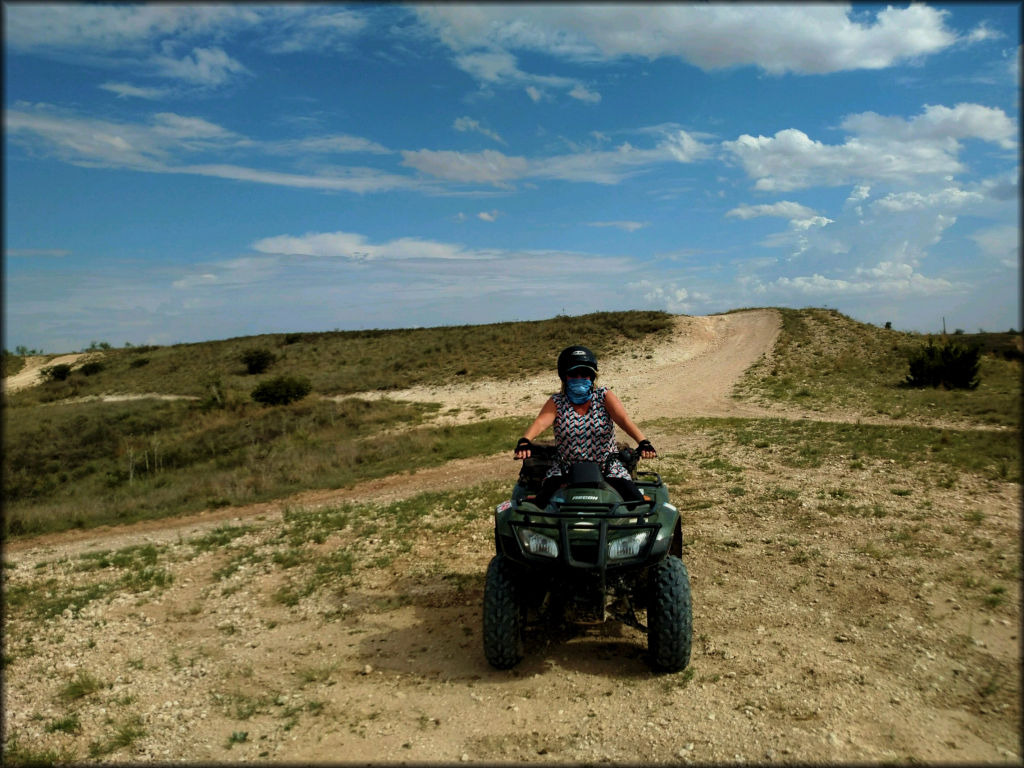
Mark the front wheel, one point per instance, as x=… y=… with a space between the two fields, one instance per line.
x=669 y=615
x=503 y=615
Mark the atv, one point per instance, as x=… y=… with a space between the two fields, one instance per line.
x=587 y=558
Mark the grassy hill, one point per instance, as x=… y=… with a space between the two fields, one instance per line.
x=70 y=463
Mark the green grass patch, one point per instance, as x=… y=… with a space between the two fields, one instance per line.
x=824 y=360
x=989 y=453
x=83 y=684
x=85 y=457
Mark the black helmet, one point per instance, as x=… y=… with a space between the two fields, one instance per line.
x=576 y=357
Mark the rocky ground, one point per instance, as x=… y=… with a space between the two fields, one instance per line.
x=853 y=610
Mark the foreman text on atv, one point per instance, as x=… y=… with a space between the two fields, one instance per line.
x=589 y=556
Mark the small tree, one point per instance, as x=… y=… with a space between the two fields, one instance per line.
x=92 y=367
x=952 y=366
x=281 y=391
x=56 y=372
x=257 y=360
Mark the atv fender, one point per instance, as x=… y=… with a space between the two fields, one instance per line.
x=676 y=547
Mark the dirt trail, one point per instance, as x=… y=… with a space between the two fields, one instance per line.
x=31 y=373
x=856 y=612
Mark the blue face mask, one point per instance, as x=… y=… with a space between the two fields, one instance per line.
x=579 y=390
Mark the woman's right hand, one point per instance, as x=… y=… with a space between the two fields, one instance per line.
x=523 y=448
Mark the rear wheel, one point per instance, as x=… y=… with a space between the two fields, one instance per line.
x=503 y=615
x=669 y=615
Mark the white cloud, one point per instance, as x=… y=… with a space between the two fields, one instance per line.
x=883 y=148
x=800 y=216
x=487 y=167
x=126 y=90
x=886 y=278
x=668 y=295
x=598 y=167
x=583 y=93
x=23 y=253
x=325 y=145
x=982 y=33
x=464 y=124
x=501 y=69
x=949 y=198
x=1001 y=242
x=784 y=209
x=810 y=39
x=163 y=144
x=488 y=215
x=326 y=30
x=205 y=66
x=628 y=226
x=356 y=247
x=939 y=123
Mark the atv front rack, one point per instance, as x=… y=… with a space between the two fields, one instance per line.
x=591 y=524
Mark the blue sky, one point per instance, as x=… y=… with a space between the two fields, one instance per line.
x=178 y=173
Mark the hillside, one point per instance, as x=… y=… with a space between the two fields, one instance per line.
x=853 y=548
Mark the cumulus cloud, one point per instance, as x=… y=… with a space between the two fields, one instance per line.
x=488 y=215
x=882 y=148
x=886 y=278
x=808 y=39
x=669 y=295
x=800 y=216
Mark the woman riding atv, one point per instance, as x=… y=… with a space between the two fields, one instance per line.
x=582 y=416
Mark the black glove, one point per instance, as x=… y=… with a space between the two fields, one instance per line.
x=645 y=445
x=524 y=445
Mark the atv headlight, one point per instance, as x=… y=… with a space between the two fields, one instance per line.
x=536 y=544
x=627 y=546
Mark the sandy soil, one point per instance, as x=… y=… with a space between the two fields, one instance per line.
x=31 y=373
x=818 y=638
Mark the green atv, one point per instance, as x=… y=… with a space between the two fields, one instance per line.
x=587 y=558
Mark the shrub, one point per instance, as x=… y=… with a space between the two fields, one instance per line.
x=257 y=360
x=282 y=390
x=952 y=366
x=92 y=368
x=56 y=372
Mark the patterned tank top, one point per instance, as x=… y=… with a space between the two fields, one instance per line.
x=585 y=437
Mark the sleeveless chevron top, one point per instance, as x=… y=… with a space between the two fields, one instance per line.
x=585 y=437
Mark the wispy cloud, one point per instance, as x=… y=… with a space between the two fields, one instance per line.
x=628 y=226
x=469 y=124
x=598 y=167
x=32 y=253
x=127 y=90
x=356 y=247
